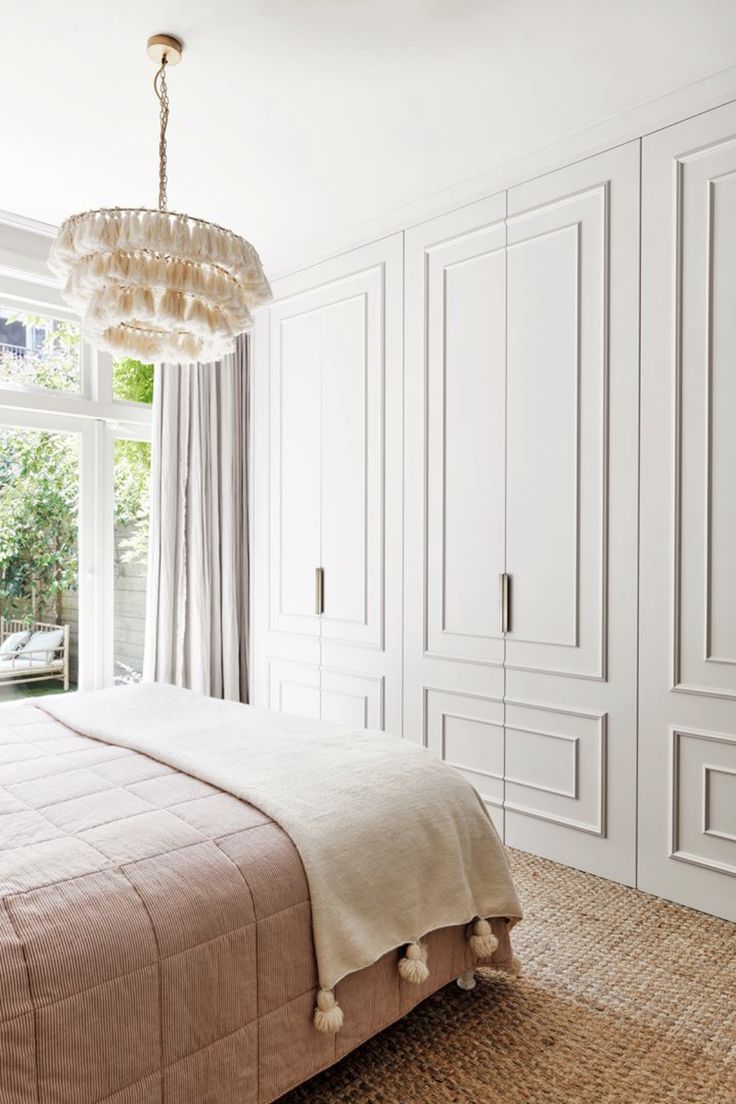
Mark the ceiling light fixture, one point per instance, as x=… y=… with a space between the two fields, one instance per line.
x=153 y=284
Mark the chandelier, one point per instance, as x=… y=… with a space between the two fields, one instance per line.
x=154 y=284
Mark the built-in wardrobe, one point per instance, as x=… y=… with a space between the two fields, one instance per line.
x=327 y=593
x=495 y=504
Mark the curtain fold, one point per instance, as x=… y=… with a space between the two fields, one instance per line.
x=197 y=594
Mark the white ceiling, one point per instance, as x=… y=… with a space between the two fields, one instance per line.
x=295 y=120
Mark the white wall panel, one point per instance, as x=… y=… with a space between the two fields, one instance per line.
x=687 y=724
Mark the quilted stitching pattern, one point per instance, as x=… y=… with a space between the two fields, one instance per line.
x=155 y=936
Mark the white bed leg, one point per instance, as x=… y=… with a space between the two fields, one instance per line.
x=467 y=980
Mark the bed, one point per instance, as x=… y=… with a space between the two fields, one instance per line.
x=156 y=938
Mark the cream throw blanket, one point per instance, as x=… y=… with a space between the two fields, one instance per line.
x=394 y=843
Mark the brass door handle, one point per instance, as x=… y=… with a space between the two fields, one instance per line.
x=504 y=581
x=319 y=590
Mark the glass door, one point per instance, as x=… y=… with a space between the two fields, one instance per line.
x=43 y=554
x=131 y=461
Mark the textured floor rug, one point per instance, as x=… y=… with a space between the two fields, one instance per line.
x=625 y=999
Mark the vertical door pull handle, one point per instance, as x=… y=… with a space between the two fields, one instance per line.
x=505 y=598
x=319 y=590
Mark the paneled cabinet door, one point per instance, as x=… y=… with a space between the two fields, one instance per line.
x=327 y=441
x=352 y=429
x=687 y=742
x=361 y=487
x=294 y=687
x=295 y=454
x=571 y=520
x=327 y=421
x=455 y=381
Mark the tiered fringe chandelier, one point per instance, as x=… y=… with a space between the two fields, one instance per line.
x=153 y=284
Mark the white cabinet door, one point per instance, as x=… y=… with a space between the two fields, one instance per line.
x=352 y=459
x=286 y=492
x=571 y=520
x=327 y=428
x=355 y=701
x=362 y=490
x=466 y=731
x=558 y=270
x=465 y=443
x=295 y=511
x=294 y=687
x=455 y=370
x=687 y=742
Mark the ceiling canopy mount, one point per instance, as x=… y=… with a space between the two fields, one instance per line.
x=166 y=47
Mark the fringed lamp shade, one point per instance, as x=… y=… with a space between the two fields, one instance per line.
x=153 y=284
x=156 y=285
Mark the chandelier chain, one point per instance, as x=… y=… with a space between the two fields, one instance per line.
x=161 y=90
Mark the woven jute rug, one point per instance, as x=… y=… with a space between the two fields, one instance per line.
x=625 y=999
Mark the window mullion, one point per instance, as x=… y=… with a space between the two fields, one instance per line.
x=95 y=557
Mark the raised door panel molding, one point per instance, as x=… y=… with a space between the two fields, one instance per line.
x=557 y=433
x=572 y=524
x=294 y=687
x=465 y=444
x=295 y=462
x=705 y=444
x=454 y=446
x=327 y=532
x=704 y=799
x=352 y=458
x=556 y=766
x=356 y=701
x=687 y=647
x=466 y=731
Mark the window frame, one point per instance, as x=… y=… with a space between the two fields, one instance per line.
x=112 y=431
x=96 y=416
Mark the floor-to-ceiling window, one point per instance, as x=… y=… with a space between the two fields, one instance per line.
x=39 y=556
x=74 y=473
x=132 y=470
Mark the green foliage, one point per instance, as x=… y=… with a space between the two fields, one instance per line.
x=39 y=503
x=56 y=367
x=132 y=499
x=132 y=380
x=39 y=482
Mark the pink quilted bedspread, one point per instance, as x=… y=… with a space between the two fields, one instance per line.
x=155 y=936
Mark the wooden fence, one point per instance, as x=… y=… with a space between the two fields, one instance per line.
x=130 y=620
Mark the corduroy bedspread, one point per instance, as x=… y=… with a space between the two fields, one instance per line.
x=155 y=935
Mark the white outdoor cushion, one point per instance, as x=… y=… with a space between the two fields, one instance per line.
x=42 y=645
x=14 y=642
x=23 y=663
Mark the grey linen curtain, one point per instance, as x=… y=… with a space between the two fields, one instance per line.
x=197 y=595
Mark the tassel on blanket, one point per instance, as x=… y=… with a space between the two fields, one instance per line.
x=483 y=942
x=413 y=966
x=328 y=1015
